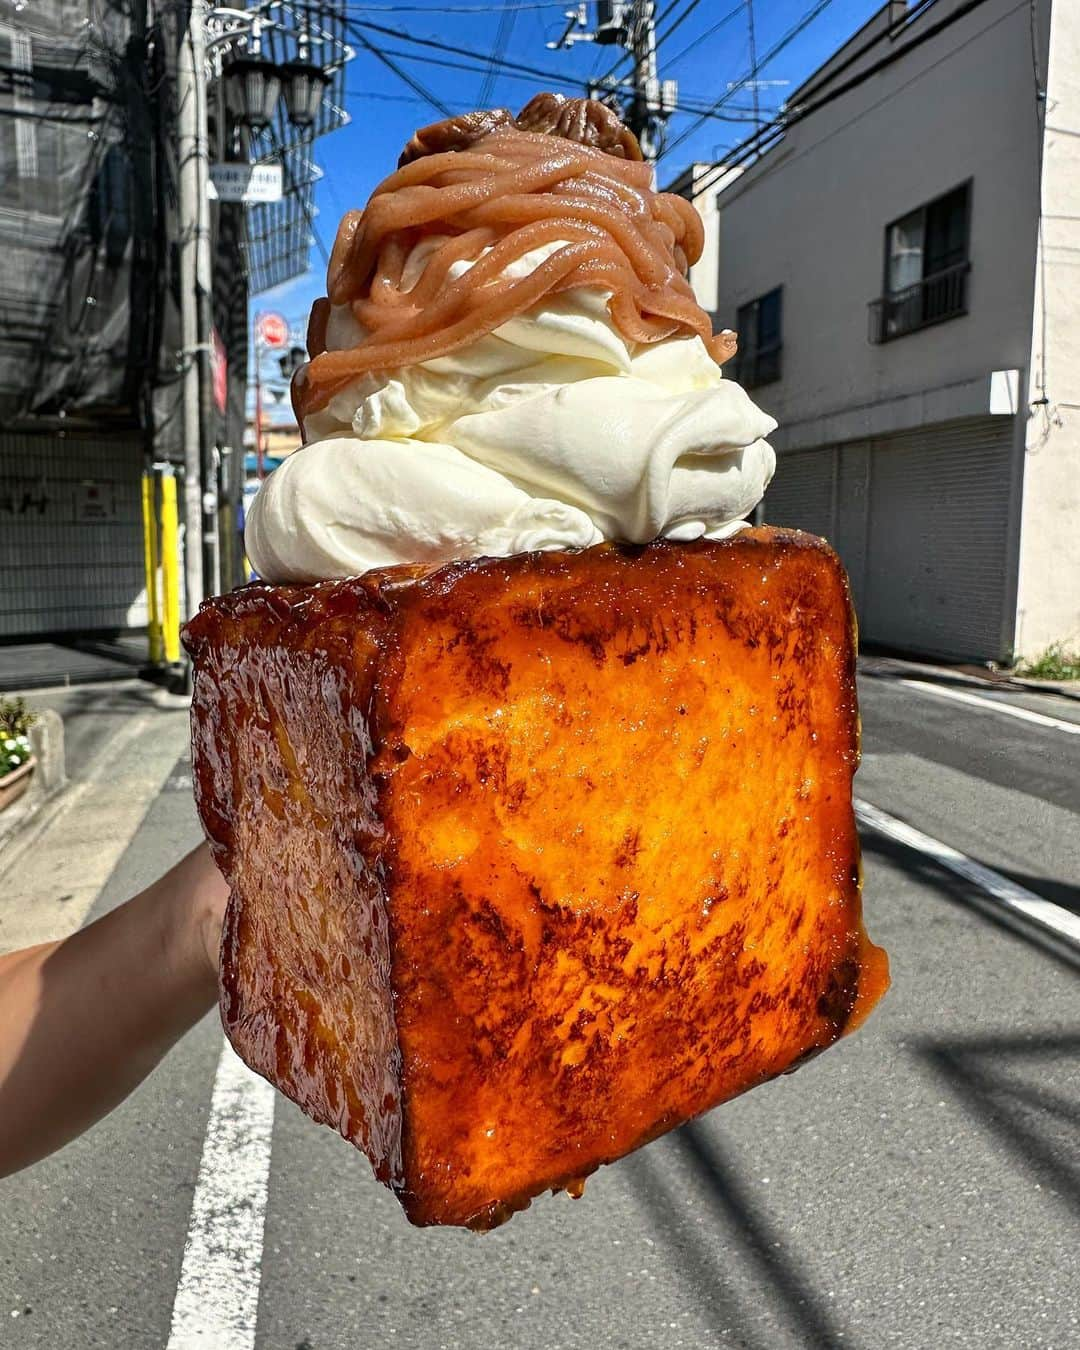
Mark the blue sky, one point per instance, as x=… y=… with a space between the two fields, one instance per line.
x=709 y=49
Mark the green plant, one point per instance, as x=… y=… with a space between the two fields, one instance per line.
x=16 y=719
x=1056 y=663
x=14 y=752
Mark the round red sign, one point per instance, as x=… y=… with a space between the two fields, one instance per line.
x=273 y=331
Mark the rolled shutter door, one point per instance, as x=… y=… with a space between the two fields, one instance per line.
x=66 y=564
x=938 y=538
x=801 y=493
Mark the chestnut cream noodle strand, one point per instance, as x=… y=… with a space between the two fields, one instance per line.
x=509 y=193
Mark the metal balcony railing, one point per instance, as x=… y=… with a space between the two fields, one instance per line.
x=944 y=295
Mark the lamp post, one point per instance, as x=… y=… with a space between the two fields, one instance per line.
x=252 y=85
x=200 y=524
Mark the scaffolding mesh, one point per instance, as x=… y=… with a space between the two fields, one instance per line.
x=76 y=149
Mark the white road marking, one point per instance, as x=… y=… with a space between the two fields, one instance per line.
x=1015 y=899
x=1008 y=709
x=217 y=1297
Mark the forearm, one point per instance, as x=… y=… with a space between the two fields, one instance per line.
x=84 y=1020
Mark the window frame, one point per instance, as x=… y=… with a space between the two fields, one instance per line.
x=967 y=186
x=748 y=359
x=937 y=297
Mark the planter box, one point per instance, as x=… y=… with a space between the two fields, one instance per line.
x=14 y=784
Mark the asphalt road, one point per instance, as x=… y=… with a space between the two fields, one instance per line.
x=917 y=1186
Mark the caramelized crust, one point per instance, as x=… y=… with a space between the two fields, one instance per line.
x=533 y=859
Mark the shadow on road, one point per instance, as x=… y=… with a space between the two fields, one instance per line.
x=762 y=1243
x=774 y=1271
x=992 y=1076
x=968 y=896
x=870 y=670
x=702 y=1268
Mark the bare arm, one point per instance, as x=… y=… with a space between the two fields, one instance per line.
x=84 y=1020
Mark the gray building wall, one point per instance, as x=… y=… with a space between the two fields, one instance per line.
x=811 y=216
x=939 y=418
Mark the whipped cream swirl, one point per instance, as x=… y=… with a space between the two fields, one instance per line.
x=551 y=432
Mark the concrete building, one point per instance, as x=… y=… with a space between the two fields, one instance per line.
x=902 y=265
x=92 y=345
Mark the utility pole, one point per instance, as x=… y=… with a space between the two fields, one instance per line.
x=200 y=512
x=645 y=119
x=643 y=99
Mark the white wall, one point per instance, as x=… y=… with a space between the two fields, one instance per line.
x=1048 y=600
x=705 y=273
x=811 y=216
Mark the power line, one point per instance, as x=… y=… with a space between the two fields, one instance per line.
x=481 y=63
x=773 y=131
x=424 y=93
x=753 y=60
x=435 y=45
x=509 y=72
x=773 y=51
x=661 y=37
x=498 y=55
x=354 y=6
x=506 y=73
x=708 y=33
x=393 y=98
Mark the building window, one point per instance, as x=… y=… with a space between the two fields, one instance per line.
x=757 y=360
x=926 y=267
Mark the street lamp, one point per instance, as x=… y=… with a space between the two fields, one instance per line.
x=223 y=42
x=252 y=86
x=304 y=85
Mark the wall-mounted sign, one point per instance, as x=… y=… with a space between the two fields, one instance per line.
x=28 y=497
x=94 y=501
x=219 y=370
x=245 y=182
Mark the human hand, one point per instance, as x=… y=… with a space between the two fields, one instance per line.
x=201 y=893
x=84 y=1019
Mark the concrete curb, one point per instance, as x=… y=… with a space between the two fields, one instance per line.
x=890 y=665
x=1065 y=688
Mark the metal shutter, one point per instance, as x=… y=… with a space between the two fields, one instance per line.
x=800 y=495
x=63 y=567
x=849 y=528
x=937 y=540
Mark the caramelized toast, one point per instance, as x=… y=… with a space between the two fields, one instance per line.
x=534 y=858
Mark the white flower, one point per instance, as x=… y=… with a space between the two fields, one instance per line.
x=15 y=760
x=9 y=744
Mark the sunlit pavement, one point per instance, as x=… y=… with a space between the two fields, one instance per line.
x=916 y=1186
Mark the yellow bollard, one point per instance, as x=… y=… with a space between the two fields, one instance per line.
x=150 y=560
x=170 y=568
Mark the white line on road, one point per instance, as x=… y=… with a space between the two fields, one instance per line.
x=1017 y=900
x=217 y=1297
x=1009 y=709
